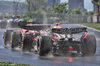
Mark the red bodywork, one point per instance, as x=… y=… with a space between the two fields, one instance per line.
x=23 y=31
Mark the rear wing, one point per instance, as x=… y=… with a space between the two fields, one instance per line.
x=37 y=26
x=69 y=30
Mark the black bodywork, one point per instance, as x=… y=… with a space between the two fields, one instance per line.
x=69 y=30
x=37 y=27
x=62 y=45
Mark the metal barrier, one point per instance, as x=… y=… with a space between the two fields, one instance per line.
x=51 y=18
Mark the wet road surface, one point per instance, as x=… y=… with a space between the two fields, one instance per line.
x=73 y=59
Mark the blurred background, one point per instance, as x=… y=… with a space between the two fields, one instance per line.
x=48 y=11
x=51 y=11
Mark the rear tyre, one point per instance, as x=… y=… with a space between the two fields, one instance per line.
x=27 y=43
x=45 y=45
x=22 y=23
x=88 y=46
x=7 y=37
x=16 y=39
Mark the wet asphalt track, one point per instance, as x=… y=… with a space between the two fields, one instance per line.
x=73 y=59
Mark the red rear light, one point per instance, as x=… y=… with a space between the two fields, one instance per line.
x=71 y=48
x=35 y=38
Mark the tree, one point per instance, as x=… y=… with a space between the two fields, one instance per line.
x=34 y=5
x=29 y=3
x=99 y=2
x=59 y=8
x=15 y=6
x=34 y=9
x=94 y=0
x=96 y=6
x=89 y=13
x=75 y=11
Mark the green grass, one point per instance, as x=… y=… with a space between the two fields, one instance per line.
x=11 y=64
x=93 y=25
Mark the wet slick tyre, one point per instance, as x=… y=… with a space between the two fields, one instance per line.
x=7 y=37
x=16 y=39
x=22 y=23
x=27 y=43
x=88 y=46
x=45 y=45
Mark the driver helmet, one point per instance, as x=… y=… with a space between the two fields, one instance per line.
x=57 y=26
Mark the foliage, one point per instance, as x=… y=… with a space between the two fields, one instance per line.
x=89 y=13
x=15 y=6
x=34 y=9
x=34 y=5
x=34 y=16
x=75 y=11
x=58 y=8
x=93 y=25
x=98 y=2
x=98 y=6
x=12 y=64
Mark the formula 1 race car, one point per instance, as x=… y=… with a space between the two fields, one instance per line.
x=24 y=38
x=13 y=36
x=30 y=36
x=61 y=40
